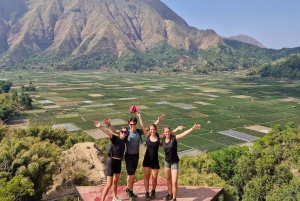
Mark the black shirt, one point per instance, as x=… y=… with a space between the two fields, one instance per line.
x=171 y=150
x=118 y=146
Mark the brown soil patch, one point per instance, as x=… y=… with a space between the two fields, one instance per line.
x=96 y=133
x=196 y=114
x=202 y=103
x=95 y=95
x=259 y=128
x=51 y=106
x=242 y=96
x=86 y=158
x=290 y=99
x=67 y=104
x=142 y=107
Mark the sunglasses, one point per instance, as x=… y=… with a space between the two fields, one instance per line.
x=124 y=132
x=132 y=124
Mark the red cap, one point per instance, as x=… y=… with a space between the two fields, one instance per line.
x=133 y=109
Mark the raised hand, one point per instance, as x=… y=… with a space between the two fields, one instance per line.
x=196 y=126
x=97 y=124
x=161 y=118
x=107 y=122
x=180 y=128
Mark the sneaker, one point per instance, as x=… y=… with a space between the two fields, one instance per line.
x=152 y=195
x=133 y=195
x=168 y=197
x=147 y=197
x=116 y=199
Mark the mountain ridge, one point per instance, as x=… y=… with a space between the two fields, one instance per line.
x=64 y=27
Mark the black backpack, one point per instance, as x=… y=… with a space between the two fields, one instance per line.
x=109 y=148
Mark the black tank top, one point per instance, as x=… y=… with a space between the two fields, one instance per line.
x=171 y=150
x=152 y=148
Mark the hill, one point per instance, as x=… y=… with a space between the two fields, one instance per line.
x=58 y=29
x=246 y=39
x=131 y=35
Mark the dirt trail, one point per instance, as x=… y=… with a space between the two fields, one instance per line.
x=86 y=158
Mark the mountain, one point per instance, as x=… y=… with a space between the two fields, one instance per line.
x=75 y=28
x=246 y=39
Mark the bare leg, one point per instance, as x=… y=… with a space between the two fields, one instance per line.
x=115 y=184
x=154 y=178
x=130 y=181
x=174 y=182
x=146 y=178
x=169 y=179
x=107 y=187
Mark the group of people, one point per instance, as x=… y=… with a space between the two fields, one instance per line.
x=128 y=141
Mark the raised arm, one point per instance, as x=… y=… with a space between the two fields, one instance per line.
x=196 y=126
x=159 y=119
x=98 y=125
x=107 y=122
x=146 y=133
x=178 y=128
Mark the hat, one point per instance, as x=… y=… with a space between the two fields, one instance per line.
x=133 y=109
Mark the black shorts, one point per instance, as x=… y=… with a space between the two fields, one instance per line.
x=113 y=167
x=132 y=161
x=153 y=164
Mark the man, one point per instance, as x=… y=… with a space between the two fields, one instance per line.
x=132 y=149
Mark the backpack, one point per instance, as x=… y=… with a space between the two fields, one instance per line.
x=109 y=148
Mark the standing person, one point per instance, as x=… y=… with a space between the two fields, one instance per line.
x=132 y=150
x=151 y=162
x=113 y=168
x=169 y=144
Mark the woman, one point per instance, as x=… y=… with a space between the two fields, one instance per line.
x=169 y=144
x=113 y=168
x=151 y=162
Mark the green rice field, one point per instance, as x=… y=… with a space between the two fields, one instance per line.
x=218 y=102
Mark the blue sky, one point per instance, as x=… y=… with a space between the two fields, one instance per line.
x=274 y=23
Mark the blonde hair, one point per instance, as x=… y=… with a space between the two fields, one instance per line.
x=163 y=133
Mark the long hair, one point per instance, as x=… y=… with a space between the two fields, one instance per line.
x=154 y=125
x=163 y=133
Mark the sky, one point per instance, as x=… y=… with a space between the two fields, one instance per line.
x=273 y=23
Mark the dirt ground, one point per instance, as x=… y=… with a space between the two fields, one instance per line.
x=86 y=158
x=259 y=128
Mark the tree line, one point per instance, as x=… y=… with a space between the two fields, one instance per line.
x=11 y=102
x=233 y=55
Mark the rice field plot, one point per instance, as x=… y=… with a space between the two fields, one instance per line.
x=222 y=139
x=249 y=132
x=200 y=144
x=218 y=102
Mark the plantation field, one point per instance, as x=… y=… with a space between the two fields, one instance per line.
x=73 y=100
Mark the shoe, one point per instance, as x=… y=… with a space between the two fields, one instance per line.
x=152 y=195
x=116 y=199
x=174 y=199
x=147 y=197
x=127 y=192
x=130 y=194
x=168 y=197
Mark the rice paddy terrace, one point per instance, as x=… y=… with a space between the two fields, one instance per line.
x=231 y=109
